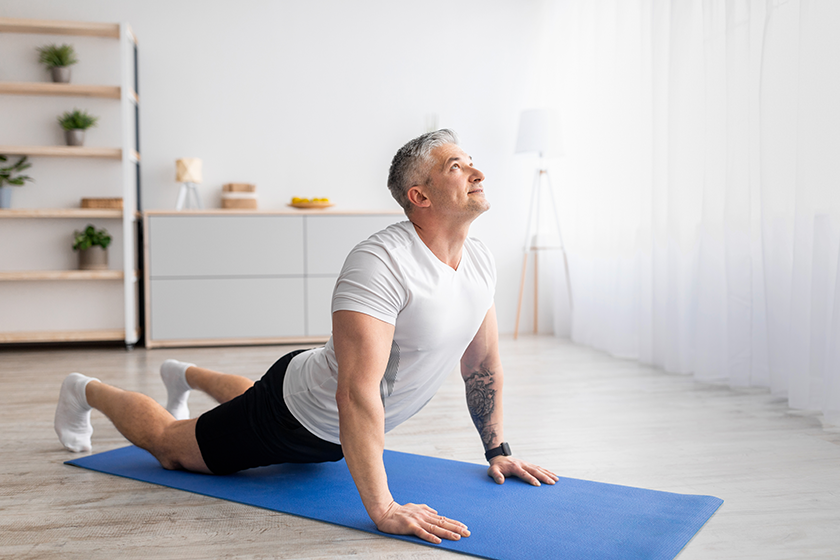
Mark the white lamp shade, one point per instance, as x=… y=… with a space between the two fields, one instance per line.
x=188 y=170
x=539 y=131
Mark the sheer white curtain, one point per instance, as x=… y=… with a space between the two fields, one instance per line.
x=701 y=186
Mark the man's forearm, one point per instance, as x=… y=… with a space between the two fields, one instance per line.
x=362 y=427
x=484 y=400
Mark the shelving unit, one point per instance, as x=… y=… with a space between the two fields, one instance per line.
x=54 y=284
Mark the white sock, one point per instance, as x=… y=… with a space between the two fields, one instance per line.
x=72 y=415
x=174 y=377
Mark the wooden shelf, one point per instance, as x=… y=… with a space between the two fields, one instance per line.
x=65 y=151
x=63 y=336
x=94 y=213
x=49 y=27
x=50 y=88
x=28 y=275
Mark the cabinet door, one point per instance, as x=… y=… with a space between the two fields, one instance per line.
x=196 y=246
x=226 y=308
x=330 y=238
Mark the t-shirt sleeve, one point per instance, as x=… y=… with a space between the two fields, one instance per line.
x=368 y=284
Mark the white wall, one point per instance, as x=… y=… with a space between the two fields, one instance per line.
x=314 y=98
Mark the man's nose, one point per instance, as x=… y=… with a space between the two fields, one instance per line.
x=477 y=175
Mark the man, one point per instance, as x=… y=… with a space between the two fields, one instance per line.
x=410 y=302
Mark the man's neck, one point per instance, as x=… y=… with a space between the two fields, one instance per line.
x=446 y=243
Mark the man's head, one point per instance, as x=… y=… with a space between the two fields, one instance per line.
x=412 y=164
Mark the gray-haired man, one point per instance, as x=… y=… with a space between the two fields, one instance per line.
x=411 y=302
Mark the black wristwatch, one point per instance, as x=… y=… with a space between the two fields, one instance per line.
x=503 y=449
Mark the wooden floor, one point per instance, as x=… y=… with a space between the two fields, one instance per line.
x=571 y=409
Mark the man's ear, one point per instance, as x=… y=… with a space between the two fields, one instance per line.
x=417 y=197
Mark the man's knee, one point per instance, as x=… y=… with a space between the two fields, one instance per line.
x=179 y=448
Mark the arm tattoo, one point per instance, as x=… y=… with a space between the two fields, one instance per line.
x=481 y=401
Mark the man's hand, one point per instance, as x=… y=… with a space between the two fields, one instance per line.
x=421 y=521
x=502 y=467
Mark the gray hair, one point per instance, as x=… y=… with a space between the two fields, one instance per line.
x=411 y=163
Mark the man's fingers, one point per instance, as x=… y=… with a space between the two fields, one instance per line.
x=547 y=476
x=441 y=528
x=541 y=474
x=454 y=526
x=528 y=477
x=532 y=474
x=442 y=532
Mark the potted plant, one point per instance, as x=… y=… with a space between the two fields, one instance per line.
x=75 y=123
x=58 y=60
x=8 y=179
x=92 y=245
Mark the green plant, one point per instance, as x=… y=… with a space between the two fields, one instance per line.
x=76 y=119
x=53 y=56
x=90 y=237
x=7 y=172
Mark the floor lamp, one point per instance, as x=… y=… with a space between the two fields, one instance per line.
x=538 y=133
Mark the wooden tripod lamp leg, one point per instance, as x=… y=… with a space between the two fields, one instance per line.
x=521 y=291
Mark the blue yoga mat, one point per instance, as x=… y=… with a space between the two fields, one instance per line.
x=574 y=519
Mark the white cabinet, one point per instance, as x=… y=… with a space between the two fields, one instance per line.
x=227 y=277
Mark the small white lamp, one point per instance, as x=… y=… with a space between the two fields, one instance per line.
x=188 y=173
x=539 y=132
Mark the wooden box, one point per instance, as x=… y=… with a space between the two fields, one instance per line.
x=111 y=203
x=239 y=187
x=239 y=203
x=239 y=196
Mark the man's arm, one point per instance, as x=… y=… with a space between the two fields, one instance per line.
x=481 y=369
x=362 y=348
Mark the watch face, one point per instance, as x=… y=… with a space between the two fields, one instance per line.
x=505 y=449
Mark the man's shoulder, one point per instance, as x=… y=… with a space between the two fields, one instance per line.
x=394 y=237
x=396 y=233
x=479 y=250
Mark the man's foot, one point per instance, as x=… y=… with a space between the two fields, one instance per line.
x=174 y=377
x=72 y=415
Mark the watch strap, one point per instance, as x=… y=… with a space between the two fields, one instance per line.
x=503 y=449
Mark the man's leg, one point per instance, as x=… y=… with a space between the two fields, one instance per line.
x=221 y=386
x=139 y=418
x=167 y=433
x=181 y=377
x=148 y=425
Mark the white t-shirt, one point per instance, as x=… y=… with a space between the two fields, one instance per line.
x=436 y=311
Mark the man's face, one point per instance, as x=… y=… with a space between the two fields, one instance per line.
x=456 y=185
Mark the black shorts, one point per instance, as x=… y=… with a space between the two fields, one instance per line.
x=257 y=429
